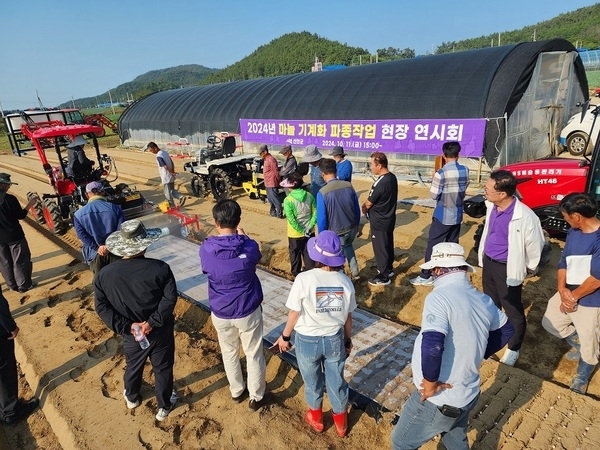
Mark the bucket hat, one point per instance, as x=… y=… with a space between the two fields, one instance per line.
x=337 y=151
x=79 y=140
x=326 y=248
x=5 y=179
x=94 y=186
x=447 y=254
x=311 y=154
x=133 y=238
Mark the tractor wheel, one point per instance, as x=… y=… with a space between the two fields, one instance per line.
x=100 y=134
x=576 y=144
x=53 y=217
x=220 y=184
x=198 y=186
x=37 y=210
x=195 y=185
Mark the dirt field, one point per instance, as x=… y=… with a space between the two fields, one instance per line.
x=78 y=364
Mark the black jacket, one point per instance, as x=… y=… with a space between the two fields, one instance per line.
x=10 y=214
x=7 y=323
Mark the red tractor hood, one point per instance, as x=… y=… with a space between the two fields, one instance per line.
x=546 y=181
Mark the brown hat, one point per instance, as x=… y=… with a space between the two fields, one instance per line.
x=285 y=149
x=263 y=148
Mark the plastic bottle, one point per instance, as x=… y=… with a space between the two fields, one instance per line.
x=140 y=337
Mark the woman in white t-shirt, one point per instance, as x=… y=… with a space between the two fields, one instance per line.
x=321 y=302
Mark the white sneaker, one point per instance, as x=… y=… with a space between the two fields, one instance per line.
x=163 y=413
x=130 y=405
x=420 y=281
x=510 y=357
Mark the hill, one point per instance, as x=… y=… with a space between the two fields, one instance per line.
x=581 y=27
x=291 y=53
x=153 y=81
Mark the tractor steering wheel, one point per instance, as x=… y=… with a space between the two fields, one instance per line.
x=213 y=140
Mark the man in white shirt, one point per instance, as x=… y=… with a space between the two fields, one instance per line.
x=166 y=170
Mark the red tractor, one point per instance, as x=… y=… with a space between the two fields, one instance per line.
x=543 y=183
x=55 y=210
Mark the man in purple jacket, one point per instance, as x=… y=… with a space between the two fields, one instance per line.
x=235 y=295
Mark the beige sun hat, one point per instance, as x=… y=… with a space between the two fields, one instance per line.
x=447 y=254
x=133 y=238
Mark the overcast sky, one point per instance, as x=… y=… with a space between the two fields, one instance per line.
x=75 y=48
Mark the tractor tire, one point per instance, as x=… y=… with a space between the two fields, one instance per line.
x=37 y=210
x=198 y=187
x=100 y=134
x=220 y=184
x=53 y=217
x=576 y=144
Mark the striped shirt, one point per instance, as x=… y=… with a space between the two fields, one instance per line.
x=448 y=188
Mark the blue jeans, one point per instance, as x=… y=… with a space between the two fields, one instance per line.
x=421 y=421
x=347 y=239
x=321 y=363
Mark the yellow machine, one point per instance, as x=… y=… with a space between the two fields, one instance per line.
x=255 y=188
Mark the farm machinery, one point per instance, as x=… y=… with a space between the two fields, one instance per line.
x=55 y=210
x=20 y=143
x=215 y=169
x=543 y=183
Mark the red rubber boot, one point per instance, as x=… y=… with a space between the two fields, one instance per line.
x=341 y=423
x=314 y=417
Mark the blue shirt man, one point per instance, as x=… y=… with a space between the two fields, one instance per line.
x=313 y=156
x=343 y=165
x=338 y=210
x=94 y=223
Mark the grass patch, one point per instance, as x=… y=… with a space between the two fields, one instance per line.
x=593 y=77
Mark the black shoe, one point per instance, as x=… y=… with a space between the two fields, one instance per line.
x=23 y=410
x=25 y=289
x=379 y=280
x=255 y=405
x=240 y=398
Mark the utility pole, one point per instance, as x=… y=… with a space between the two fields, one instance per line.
x=111 y=103
x=73 y=102
x=534 y=30
x=498 y=39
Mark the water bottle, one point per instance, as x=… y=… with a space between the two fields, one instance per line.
x=140 y=337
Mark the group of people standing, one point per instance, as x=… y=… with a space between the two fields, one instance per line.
x=135 y=296
x=331 y=203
